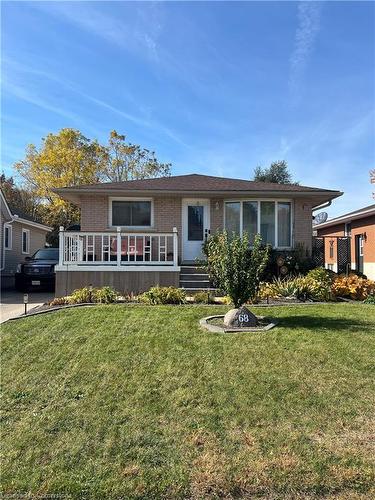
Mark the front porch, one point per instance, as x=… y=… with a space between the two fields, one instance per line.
x=117 y=251
x=129 y=262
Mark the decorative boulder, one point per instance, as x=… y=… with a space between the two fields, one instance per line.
x=240 y=318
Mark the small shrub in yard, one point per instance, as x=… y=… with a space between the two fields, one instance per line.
x=59 y=301
x=163 y=295
x=323 y=281
x=299 y=287
x=104 y=295
x=82 y=296
x=353 y=287
x=234 y=267
x=204 y=298
x=86 y=295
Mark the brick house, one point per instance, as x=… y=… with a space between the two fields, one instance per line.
x=19 y=237
x=359 y=228
x=139 y=233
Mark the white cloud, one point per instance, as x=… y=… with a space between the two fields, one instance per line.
x=307 y=30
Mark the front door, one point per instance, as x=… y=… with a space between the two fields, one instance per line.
x=195 y=227
x=359 y=252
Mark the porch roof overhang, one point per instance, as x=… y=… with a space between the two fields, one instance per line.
x=74 y=195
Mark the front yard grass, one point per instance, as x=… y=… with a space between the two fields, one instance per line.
x=138 y=402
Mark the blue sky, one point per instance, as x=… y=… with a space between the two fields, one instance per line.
x=214 y=88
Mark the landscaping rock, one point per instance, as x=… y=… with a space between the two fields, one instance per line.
x=240 y=318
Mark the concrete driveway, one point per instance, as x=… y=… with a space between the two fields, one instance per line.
x=12 y=303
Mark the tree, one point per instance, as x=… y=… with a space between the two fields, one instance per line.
x=67 y=158
x=126 y=161
x=23 y=202
x=235 y=268
x=277 y=172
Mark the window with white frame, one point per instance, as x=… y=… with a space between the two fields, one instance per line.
x=271 y=219
x=131 y=213
x=25 y=241
x=7 y=237
x=361 y=242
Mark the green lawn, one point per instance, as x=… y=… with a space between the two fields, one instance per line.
x=138 y=402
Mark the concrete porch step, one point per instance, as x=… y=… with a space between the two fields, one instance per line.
x=195 y=285
x=193 y=277
x=192 y=270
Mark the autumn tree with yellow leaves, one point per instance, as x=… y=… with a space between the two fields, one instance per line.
x=68 y=158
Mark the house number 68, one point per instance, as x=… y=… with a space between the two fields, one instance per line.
x=243 y=318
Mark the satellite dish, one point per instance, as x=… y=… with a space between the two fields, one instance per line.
x=320 y=218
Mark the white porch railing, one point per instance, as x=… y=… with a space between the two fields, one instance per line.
x=117 y=249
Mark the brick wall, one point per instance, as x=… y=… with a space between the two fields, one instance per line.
x=168 y=214
x=303 y=223
x=359 y=226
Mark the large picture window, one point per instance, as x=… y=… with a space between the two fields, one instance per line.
x=131 y=213
x=271 y=219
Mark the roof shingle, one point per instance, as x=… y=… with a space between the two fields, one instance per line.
x=193 y=182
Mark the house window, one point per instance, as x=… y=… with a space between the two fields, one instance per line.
x=250 y=219
x=233 y=217
x=131 y=213
x=7 y=237
x=271 y=219
x=25 y=241
x=283 y=224
x=361 y=241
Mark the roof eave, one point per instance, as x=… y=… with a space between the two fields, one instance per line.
x=74 y=195
x=344 y=219
x=32 y=223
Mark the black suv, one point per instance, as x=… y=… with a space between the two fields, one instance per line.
x=38 y=271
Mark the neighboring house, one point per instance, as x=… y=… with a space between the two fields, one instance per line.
x=138 y=233
x=19 y=238
x=358 y=228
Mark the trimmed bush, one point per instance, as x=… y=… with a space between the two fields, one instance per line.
x=163 y=295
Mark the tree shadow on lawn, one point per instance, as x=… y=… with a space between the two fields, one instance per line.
x=324 y=323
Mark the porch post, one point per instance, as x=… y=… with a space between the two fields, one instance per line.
x=61 y=245
x=118 y=246
x=175 y=247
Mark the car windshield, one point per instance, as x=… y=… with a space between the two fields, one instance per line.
x=47 y=254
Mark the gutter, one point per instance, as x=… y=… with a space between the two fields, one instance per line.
x=324 y=205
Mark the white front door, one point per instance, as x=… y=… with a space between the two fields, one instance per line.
x=195 y=227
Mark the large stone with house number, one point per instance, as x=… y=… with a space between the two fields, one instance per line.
x=240 y=318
